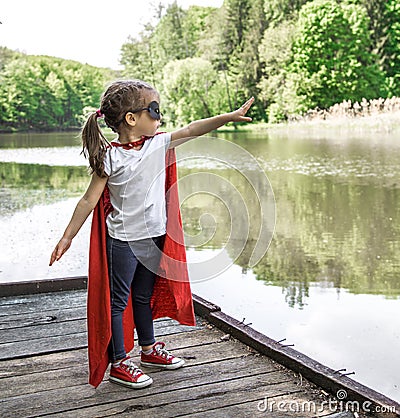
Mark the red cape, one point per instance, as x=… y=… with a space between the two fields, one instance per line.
x=172 y=296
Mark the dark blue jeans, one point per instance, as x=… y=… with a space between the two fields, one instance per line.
x=132 y=265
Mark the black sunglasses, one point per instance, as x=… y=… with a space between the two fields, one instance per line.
x=153 y=108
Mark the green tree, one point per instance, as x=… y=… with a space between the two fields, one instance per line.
x=276 y=55
x=137 y=57
x=175 y=36
x=384 y=16
x=169 y=35
x=277 y=11
x=331 y=55
x=6 y=55
x=242 y=30
x=192 y=90
x=39 y=92
x=236 y=25
x=249 y=66
x=391 y=57
x=195 y=25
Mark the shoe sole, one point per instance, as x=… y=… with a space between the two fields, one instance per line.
x=138 y=385
x=172 y=366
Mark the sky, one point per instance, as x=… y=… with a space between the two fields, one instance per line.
x=89 y=31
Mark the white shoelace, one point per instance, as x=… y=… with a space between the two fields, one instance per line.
x=132 y=368
x=162 y=351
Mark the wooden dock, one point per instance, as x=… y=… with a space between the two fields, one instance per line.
x=43 y=368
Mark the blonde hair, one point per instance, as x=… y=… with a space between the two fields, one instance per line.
x=119 y=98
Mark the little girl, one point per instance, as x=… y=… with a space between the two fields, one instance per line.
x=124 y=269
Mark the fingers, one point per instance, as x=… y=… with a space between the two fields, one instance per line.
x=244 y=109
x=59 y=251
x=53 y=257
x=246 y=106
x=245 y=119
x=239 y=115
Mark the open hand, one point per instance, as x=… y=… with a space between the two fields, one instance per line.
x=239 y=114
x=60 y=249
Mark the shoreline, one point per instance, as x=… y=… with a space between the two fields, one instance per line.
x=383 y=123
x=37 y=130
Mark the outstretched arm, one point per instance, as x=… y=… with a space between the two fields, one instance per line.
x=82 y=210
x=203 y=126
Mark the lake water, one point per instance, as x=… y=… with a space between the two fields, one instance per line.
x=329 y=279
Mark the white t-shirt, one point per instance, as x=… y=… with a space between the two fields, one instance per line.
x=137 y=189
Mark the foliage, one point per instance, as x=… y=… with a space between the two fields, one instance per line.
x=276 y=54
x=6 y=55
x=291 y=55
x=277 y=11
x=192 y=90
x=176 y=36
x=39 y=92
x=391 y=56
x=137 y=59
x=384 y=29
x=331 y=59
x=246 y=64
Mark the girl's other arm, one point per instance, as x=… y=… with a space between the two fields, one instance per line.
x=203 y=126
x=82 y=210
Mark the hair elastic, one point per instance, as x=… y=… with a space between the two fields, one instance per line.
x=99 y=114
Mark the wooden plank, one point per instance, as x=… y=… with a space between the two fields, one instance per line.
x=39 y=303
x=44 y=345
x=37 y=364
x=54 y=337
x=25 y=307
x=43 y=317
x=80 y=396
x=57 y=327
x=334 y=407
x=43 y=286
x=60 y=315
x=53 y=361
x=73 y=341
x=47 y=377
x=43 y=331
x=203 y=307
x=13 y=387
x=206 y=398
x=314 y=403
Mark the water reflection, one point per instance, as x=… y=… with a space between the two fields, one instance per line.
x=339 y=231
x=328 y=232
x=337 y=235
x=38 y=140
x=26 y=185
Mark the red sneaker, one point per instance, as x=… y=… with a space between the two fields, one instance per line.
x=128 y=374
x=161 y=358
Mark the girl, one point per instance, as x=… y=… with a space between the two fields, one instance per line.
x=129 y=252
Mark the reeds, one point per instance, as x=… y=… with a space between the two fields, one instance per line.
x=349 y=109
x=377 y=115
